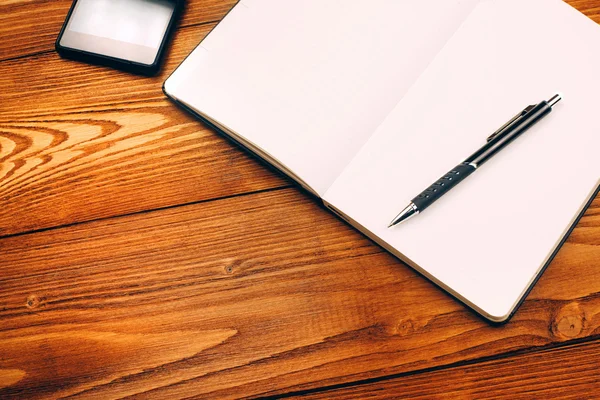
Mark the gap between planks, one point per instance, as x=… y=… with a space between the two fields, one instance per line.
x=215 y=199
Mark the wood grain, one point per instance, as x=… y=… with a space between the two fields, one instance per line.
x=569 y=372
x=182 y=284
x=280 y=294
x=121 y=148
x=32 y=26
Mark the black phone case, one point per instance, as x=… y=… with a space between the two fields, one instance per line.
x=119 y=63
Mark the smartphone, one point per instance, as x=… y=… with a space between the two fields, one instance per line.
x=131 y=35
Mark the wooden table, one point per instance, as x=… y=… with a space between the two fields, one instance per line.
x=143 y=254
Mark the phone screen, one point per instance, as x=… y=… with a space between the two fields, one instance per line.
x=141 y=22
x=127 y=29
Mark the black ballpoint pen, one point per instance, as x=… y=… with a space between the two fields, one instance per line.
x=496 y=142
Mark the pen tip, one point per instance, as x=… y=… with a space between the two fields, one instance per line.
x=405 y=214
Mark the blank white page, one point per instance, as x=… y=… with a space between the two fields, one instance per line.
x=488 y=238
x=309 y=81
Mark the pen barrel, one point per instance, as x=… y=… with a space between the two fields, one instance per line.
x=517 y=129
x=442 y=186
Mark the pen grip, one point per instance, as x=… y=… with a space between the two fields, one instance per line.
x=442 y=186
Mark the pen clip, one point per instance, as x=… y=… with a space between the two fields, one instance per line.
x=510 y=123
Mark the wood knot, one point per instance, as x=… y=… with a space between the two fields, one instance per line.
x=34 y=302
x=570 y=326
x=233 y=266
x=569 y=322
x=405 y=327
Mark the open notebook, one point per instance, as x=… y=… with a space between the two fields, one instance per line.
x=365 y=104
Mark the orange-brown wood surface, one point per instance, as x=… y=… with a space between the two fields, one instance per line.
x=566 y=373
x=143 y=254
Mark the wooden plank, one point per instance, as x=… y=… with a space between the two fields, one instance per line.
x=569 y=372
x=252 y=295
x=97 y=165
x=32 y=26
x=81 y=142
